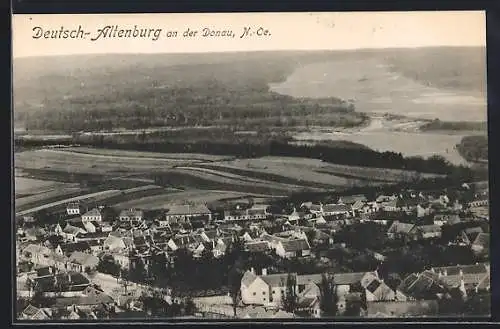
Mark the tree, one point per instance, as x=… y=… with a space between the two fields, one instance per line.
x=137 y=271
x=290 y=298
x=328 y=296
x=189 y=306
x=234 y=281
x=108 y=265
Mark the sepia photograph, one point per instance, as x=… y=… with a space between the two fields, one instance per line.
x=250 y=166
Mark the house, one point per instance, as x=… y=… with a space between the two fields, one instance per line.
x=410 y=204
x=95 y=236
x=122 y=258
x=92 y=215
x=335 y=209
x=428 y=231
x=186 y=213
x=481 y=201
x=470 y=276
x=352 y=199
x=188 y=241
x=131 y=215
x=37 y=254
x=69 y=248
x=73 y=208
x=255 y=212
x=469 y=235
x=420 y=308
x=80 y=262
x=308 y=300
x=257 y=246
x=34 y=313
x=254 y=290
x=389 y=205
x=418 y=286
x=481 y=244
x=117 y=243
x=377 y=291
x=67 y=283
x=399 y=230
x=385 y=198
x=70 y=232
x=448 y=219
x=293 y=248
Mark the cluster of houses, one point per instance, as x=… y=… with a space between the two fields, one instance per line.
x=418 y=291
x=77 y=244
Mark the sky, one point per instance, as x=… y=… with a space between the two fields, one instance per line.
x=288 y=31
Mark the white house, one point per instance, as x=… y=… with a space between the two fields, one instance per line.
x=92 y=215
x=73 y=208
x=184 y=213
x=131 y=215
x=293 y=248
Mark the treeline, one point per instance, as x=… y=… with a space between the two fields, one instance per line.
x=338 y=155
x=474 y=148
x=454 y=126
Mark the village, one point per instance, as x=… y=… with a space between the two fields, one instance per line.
x=407 y=254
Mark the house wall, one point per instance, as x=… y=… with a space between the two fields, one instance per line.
x=256 y=294
x=73 y=211
x=277 y=295
x=92 y=218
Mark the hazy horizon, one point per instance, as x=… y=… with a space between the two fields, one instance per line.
x=249 y=52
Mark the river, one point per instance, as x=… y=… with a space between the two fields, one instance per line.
x=376 y=90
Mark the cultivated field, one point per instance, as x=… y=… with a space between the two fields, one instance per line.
x=192 y=196
x=98 y=196
x=97 y=164
x=124 y=154
x=24 y=186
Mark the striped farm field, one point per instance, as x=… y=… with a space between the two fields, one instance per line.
x=145 y=155
x=192 y=196
x=73 y=162
x=98 y=196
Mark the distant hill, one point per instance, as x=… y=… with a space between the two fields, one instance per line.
x=94 y=92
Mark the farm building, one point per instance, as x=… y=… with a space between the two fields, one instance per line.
x=186 y=213
x=131 y=215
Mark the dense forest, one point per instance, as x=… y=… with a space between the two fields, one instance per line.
x=454 y=126
x=474 y=148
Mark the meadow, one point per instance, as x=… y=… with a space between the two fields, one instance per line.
x=103 y=163
x=184 y=197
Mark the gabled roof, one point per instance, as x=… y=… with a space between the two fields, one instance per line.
x=36 y=249
x=276 y=280
x=482 y=239
x=81 y=258
x=93 y=212
x=399 y=227
x=248 y=278
x=309 y=278
x=348 y=278
x=351 y=199
x=429 y=228
x=258 y=246
x=188 y=210
x=77 y=246
x=31 y=310
x=295 y=245
x=131 y=213
x=339 y=208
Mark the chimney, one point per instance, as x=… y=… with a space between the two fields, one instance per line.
x=461 y=273
x=252 y=270
x=264 y=271
x=445 y=273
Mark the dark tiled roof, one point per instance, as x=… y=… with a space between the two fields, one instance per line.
x=295 y=245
